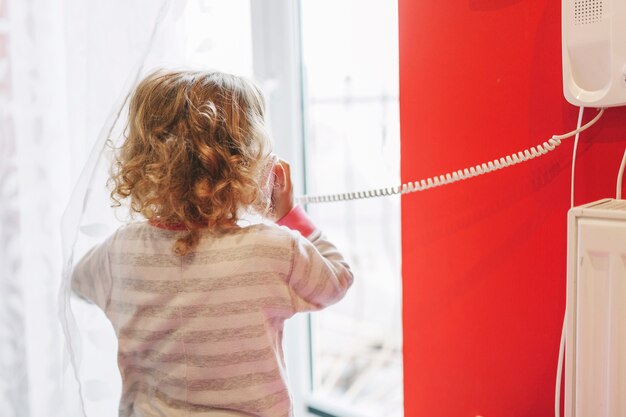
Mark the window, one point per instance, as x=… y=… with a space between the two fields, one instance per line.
x=350 y=79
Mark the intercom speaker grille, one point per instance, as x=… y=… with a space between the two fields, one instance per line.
x=588 y=11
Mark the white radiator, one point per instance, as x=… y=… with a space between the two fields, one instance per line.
x=595 y=361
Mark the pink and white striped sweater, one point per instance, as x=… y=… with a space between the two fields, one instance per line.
x=201 y=335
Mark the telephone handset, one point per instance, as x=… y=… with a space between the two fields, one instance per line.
x=278 y=188
x=269 y=176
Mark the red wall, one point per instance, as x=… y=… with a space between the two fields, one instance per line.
x=484 y=260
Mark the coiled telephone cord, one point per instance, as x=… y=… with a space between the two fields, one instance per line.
x=449 y=178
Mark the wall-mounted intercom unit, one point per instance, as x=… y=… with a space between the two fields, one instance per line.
x=594 y=52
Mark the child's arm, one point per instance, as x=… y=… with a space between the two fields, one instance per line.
x=319 y=275
x=91 y=277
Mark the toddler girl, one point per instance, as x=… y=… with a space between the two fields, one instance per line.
x=197 y=299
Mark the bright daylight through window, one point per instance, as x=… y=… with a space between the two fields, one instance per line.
x=350 y=75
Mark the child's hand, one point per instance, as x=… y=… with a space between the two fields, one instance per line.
x=282 y=193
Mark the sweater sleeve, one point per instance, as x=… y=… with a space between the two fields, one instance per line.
x=297 y=219
x=319 y=275
x=91 y=277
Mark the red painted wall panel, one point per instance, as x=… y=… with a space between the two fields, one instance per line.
x=484 y=259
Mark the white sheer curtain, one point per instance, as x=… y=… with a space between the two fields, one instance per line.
x=64 y=66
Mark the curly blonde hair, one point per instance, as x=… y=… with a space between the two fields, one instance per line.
x=195 y=153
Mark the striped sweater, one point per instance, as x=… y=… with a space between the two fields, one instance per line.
x=201 y=335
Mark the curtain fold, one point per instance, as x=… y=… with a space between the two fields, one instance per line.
x=63 y=66
x=32 y=192
x=65 y=69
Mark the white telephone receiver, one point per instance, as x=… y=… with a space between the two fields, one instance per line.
x=594 y=52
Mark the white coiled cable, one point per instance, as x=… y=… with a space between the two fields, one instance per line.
x=449 y=178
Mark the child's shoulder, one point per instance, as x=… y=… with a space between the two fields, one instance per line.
x=256 y=234
x=140 y=232
x=269 y=234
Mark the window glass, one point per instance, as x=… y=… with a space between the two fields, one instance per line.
x=350 y=73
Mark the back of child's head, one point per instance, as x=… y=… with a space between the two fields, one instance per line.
x=196 y=152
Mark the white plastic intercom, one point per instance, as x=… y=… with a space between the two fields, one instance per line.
x=594 y=52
